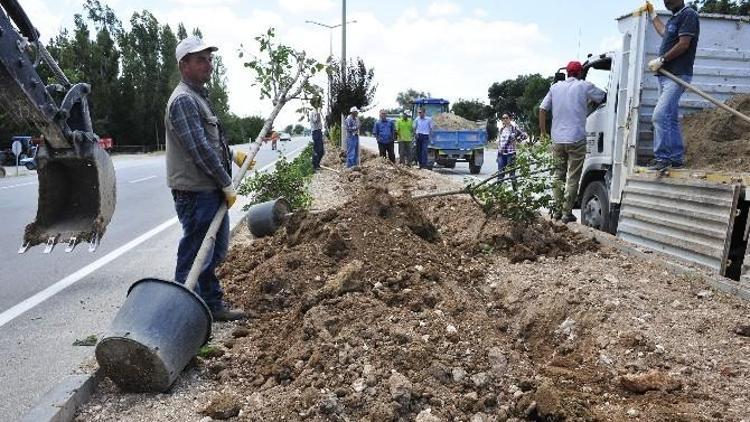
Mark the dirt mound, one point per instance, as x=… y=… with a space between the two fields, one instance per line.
x=718 y=140
x=450 y=121
x=372 y=311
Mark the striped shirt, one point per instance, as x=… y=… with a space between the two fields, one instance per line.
x=188 y=125
x=509 y=136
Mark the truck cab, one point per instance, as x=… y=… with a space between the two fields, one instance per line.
x=695 y=215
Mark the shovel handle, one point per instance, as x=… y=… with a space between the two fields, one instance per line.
x=703 y=94
x=210 y=239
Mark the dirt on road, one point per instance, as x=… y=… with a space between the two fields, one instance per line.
x=718 y=140
x=388 y=308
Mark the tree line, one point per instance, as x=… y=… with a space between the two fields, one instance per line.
x=132 y=74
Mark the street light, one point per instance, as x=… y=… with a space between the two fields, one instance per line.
x=343 y=58
x=330 y=33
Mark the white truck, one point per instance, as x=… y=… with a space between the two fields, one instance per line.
x=694 y=215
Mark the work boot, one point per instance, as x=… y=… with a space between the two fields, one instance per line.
x=677 y=164
x=659 y=165
x=226 y=314
x=568 y=218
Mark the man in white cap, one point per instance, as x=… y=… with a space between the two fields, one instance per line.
x=199 y=171
x=352 y=138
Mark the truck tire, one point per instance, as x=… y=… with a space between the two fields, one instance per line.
x=474 y=169
x=595 y=211
x=449 y=164
x=2 y=172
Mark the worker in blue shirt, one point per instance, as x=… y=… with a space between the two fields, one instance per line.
x=422 y=131
x=384 y=132
x=351 y=125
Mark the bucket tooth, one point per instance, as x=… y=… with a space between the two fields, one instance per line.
x=94 y=243
x=24 y=248
x=72 y=242
x=51 y=241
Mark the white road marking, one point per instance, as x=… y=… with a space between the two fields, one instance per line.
x=21 y=308
x=18 y=185
x=143 y=179
x=52 y=290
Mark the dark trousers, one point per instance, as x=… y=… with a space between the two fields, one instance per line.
x=195 y=210
x=405 y=152
x=422 y=142
x=507 y=161
x=387 y=149
x=318 y=150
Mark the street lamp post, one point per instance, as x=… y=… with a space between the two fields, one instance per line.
x=343 y=60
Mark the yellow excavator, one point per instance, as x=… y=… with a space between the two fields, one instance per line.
x=76 y=177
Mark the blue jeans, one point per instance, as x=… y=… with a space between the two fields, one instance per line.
x=352 y=151
x=318 y=150
x=422 y=142
x=195 y=210
x=507 y=160
x=668 y=145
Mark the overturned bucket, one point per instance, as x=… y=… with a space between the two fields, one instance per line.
x=158 y=330
x=265 y=218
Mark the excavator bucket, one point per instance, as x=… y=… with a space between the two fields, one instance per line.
x=76 y=200
x=76 y=177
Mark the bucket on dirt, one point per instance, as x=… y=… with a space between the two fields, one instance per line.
x=265 y=218
x=156 y=332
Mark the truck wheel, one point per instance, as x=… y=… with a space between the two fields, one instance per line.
x=449 y=164
x=2 y=172
x=595 y=211
x=474 y=169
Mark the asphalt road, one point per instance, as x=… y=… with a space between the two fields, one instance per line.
x=49 y=301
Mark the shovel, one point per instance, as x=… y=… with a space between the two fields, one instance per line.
x=162 y=324
x=693 y=88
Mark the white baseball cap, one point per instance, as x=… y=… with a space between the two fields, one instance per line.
x=191 y=45
x=354 y=110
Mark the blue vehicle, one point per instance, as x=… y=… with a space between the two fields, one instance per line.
x=447 y=147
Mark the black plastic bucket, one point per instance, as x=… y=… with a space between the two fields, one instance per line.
x=265 y=218
x=158 y=330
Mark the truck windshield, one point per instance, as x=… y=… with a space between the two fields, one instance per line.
x=433 y=109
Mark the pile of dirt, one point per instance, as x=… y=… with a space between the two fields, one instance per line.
x=450 y=121
x=718 y=140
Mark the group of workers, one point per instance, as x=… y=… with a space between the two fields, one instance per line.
x=199 y=160
x=413 y=137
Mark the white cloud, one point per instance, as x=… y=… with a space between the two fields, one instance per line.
x=480 y=13
x=443 y=8
x=201 y=3
x=302 y=6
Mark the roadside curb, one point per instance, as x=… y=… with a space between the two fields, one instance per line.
x=61 y=402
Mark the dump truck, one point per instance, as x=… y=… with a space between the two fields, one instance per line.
x=692 y=214
x=76 y=177
x=448 y=146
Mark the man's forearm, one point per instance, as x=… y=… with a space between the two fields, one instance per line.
x=659 y=26
x=542 y=121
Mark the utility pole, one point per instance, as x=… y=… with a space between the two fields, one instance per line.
x=343 y=69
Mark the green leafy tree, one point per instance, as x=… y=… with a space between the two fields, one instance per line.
x=289 y=129
x=405 y=98
x=477 y=111
x=726 y=7
x=241 y=129
x=181 y=32
x=359 y=90
x=367 y=124
x=298 y=129
x=283 y=74
x=520 y=97
x=288 y=180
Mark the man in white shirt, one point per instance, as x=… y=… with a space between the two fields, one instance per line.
x=568 y=102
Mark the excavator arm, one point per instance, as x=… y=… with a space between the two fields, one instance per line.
x=76 y=177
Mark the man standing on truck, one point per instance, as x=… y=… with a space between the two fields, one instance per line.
x=384 y=132
x=199 y=171
x=405 y=138
x=568 y=101
x=422 y=131
x=677 y=55
x=351 y=125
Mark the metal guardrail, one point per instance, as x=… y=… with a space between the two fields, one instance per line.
x=688 y=219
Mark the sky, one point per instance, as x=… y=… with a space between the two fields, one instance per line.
x=451 y=49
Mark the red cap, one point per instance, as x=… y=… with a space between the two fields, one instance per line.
x=574 y=68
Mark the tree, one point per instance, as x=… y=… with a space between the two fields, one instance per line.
x=218 y=93
x=520 y=97
x=298 y=129
x=240 y=129
x=405 y=98
x=181 y=32
x=289 y=129
x=726 y=7
x=359 y=90
x=367 y=124
x=282 y=74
